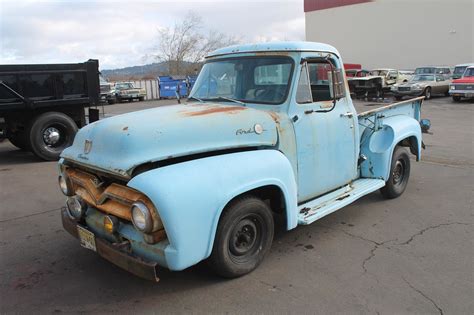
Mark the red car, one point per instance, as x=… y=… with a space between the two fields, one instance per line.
x=463 y=87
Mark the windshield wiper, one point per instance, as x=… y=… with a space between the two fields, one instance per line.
x=226 y=99
x=195 y=98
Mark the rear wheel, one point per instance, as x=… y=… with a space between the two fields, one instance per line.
x=19 y=140
x=243 y=237
x=457 y=98
x=399 y=174
x=50 y=133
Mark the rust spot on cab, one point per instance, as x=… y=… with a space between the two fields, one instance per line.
x=125 y=128
x=212 y=110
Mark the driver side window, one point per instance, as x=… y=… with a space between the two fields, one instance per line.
x=316 y=83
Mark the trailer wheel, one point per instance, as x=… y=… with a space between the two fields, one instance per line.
x=244 y=236
x=50 y=133
x=399 y=174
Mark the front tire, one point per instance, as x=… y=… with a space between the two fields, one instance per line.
x=243 y=238
x=399 y=174
x=50 y=133
x=427 y=93
x=457 y=98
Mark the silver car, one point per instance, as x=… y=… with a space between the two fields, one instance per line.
x=422 y=84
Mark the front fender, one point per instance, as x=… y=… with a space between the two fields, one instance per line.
x=191 y=196
x=378 y=146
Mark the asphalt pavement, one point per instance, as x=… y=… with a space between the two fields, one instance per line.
x=413 y=254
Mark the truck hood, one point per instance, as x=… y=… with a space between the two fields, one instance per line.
x=119 y=144
x=464 y=80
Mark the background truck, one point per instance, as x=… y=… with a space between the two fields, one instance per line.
x=271 y=136
x=42 y=106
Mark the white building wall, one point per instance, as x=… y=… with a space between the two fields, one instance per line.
x=401 y=34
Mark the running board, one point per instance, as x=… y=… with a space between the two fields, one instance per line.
x=327 y=204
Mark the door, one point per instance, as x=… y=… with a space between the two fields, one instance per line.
x=326 y=131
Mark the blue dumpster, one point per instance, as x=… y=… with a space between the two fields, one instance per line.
x=169 y=84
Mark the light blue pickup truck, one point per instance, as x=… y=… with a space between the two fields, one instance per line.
x=269 y=130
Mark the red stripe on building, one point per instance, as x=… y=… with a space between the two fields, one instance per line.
x=314 y=5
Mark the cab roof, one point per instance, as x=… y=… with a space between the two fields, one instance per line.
x=274 y=46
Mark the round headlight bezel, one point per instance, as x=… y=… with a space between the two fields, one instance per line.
x=76 y=207
x=139 y=208
x=65 y=185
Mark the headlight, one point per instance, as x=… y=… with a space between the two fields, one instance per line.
x=417 y=87
x=141 y=217
x=452 y=87
x=76 y=207
x=65 y=185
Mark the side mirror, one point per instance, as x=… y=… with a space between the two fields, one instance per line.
x=425 y=125
x=178 y=97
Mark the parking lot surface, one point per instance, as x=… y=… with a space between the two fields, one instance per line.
x=413 y=254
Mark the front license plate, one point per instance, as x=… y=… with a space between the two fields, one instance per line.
x=86 y=238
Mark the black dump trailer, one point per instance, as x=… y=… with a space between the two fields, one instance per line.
x=43 y=105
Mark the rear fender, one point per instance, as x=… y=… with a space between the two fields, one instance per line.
x=191 y=196
x=378 y=146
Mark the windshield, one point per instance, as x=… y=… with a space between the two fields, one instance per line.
x=123 y=86
x=469 y=72
x=423 y=78
x=459 y=70
x=264 y=80
x=379 y=72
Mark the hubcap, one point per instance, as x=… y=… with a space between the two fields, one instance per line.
x=398 y=172
x=51 y=136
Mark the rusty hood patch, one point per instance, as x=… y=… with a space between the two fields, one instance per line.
x=118 y=144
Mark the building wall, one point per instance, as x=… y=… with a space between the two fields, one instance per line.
x=402 y=34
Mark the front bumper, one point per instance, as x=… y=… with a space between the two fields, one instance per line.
x=115 y=254
x=410 y=92
x=462 y=93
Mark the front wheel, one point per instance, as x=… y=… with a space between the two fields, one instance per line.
x=457 y=98
x=427 y=93
x=244 y=236
x=399 y=174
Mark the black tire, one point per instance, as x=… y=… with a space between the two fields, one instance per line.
x=41 y=142
x=243 y=238
x=141 y=99
x=111 y=101
x=398 y=97
x=457 y=98
x=427 y=93
x=399 y=174
x=118 y=100
x=19 y=140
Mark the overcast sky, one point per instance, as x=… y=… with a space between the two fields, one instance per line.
x=123 y=33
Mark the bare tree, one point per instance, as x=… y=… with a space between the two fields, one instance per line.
x=185 y=45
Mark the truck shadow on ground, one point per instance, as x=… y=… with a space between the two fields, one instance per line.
x=10 y=155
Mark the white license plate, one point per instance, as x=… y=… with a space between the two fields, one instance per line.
x=86 y=238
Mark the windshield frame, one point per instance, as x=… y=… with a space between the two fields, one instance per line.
x=275 y=56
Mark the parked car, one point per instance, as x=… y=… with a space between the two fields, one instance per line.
x=127 y=91
x=463 y=87
x=459 y=70
x=377 y=82
x=444 y=70
x=422 y=84
x=277 y=136
x=43 y=105
x=358 y=73
x=107 y=95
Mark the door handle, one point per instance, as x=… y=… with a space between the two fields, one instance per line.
x=348 y=115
